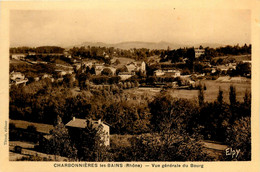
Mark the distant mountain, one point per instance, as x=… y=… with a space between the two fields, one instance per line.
x=149 y=45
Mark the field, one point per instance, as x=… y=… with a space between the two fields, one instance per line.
x=42 y=128
x=241 y=84
x=212 y=90
x=18 y=62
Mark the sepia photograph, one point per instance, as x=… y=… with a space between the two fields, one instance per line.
x=130 y=86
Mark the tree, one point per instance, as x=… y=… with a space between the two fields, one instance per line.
x=107 y=71
x=220 y=96
x=122 y=69
x=191 y=58
x=232 y=95
x=82 y=80
x=68 y=80
x=247 y=99
x=90 y=144
x=59 y=142
x=243 y=68
x=239 y=137
x=167 y=146
x=92 y=70
x=201 y=95
x=31 y=129
x=168 y=112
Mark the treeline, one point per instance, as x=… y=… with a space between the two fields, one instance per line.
x=179 y=54
x=40 y=50
x=95 y=52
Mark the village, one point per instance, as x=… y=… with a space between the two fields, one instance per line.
x=108 y=78
x=163 y=74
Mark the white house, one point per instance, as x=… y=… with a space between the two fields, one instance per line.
x=18 y=56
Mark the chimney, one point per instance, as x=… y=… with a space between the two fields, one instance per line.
x=73 y=119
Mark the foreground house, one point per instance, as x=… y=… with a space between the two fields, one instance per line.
x=77 y=124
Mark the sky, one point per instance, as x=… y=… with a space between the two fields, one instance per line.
x=185 y=26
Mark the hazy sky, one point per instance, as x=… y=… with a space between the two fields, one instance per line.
x=69 y=27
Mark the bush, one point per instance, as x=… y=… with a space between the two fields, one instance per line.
x=18 y=149
x=31 y=128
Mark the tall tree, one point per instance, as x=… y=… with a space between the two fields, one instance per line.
x=59 y=142
x=90 y=144
x=220 y=96
x=201 y=95
x=232 y=95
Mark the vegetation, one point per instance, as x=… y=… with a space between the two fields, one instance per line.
x=168 y=128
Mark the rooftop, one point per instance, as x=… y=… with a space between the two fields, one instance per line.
x=82 y=123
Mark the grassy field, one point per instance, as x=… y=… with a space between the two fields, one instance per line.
x=43 y=128
x=213 y=88
x=210 y=94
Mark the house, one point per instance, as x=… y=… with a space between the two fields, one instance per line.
x=67 y=54
x=173 y=73
x=36 y=78
x=76 y=124
x=126 y=75
x=19 y=56
x=15 y=75
x=46 y=76
x=17 y=78
x=169 y=73
x=61 y=72
x=213 y=70
x=136 y=66
x=99 y=68
x=131 y=66
x=159 y=72
x=31 y=53
x=246 y=61
x=199 y=52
